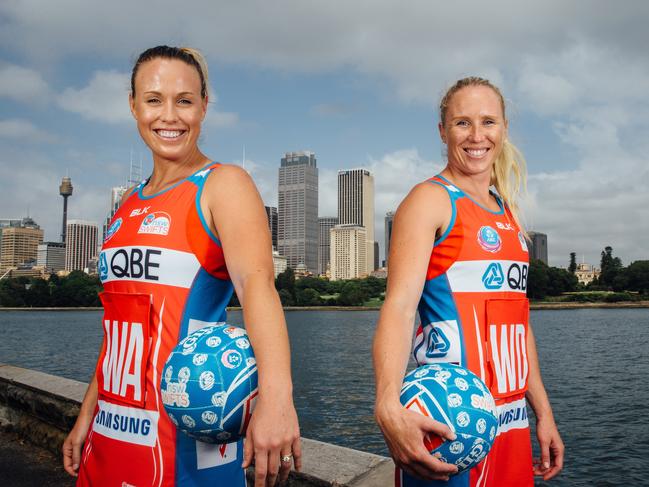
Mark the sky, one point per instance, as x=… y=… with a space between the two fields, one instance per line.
x=357 y=83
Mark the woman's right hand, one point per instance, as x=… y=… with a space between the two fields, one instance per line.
x=404 y=433
x=72 y=446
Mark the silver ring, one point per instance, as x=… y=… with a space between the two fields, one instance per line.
x=287 y=458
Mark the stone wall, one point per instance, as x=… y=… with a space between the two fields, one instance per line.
x=42 y=408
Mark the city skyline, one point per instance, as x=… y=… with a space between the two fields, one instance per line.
x=359 y=89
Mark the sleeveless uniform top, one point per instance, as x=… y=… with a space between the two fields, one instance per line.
x=164 y=276
x=474 y=312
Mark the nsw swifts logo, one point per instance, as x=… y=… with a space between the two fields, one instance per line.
x=112 y=230
x=489 y=239
x=156 y=223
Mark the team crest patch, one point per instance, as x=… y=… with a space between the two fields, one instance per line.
x=156 y=223
x=489 y=239
x=112 y=230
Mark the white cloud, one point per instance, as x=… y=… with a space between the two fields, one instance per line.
x=22 y=84
x=104 y=99
x=16 y=128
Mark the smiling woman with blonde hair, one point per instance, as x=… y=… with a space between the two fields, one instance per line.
x=210 y=237
x=470 y=229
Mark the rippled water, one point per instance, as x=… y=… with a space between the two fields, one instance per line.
x=595 y=365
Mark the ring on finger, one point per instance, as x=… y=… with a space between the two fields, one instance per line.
x=287 y=458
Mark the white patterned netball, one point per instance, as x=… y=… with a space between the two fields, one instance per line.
x=457 y=397
x=209 y=384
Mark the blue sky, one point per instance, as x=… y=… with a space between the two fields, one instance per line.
x=357 y=83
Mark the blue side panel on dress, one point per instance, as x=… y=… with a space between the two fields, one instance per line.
x=436 y=305
x=206 y=302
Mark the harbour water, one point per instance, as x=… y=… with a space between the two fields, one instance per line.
x=595 y=366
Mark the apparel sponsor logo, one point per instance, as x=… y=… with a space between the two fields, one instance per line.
x=493 y=277
x=489 y=239
x=132 y=425
x=156 y=223
x=504 y=226
x=440 y=339
x=112 y=230
x=140 y=211
x=438 y=344
x=124 y=350
x=148 y=264
x=231 y=359
x=509 y=355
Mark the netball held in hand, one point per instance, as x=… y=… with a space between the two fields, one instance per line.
x=209 y=384
x=456 y=397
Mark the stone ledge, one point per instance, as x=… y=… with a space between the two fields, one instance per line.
x=42 y=408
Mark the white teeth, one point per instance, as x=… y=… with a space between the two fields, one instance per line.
x=476 y=152
x=169 y=134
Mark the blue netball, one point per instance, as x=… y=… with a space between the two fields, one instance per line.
x=457 y=397
x=209 y=384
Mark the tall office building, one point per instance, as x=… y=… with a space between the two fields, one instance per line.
x=348 y=252
x=389 y=218
x=5 y=223
x=116 y=194
x=51 y=256
x=356 y=205
x=297 y=210
x=19 y=244
x=80 y=244
x=325 y=223
x=539 y=248
x=271 y=214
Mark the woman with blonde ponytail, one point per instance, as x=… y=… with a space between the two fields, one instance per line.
x=470 y=291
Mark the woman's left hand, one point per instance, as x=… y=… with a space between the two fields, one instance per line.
x=273 y=435
x=551 y=461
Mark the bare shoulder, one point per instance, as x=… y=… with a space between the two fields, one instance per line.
x=229 y=182
x=128 y=193
x=426 y=201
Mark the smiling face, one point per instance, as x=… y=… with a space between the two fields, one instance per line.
x=474 y=130
x=168 y=108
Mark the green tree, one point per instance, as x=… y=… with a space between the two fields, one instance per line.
x=38 y=294
x=13 y=292
x=610 y=266
x=573 y=263
x=560 y=281
x=638 y=276
x=286 y=298
x=286 y=281
x=308 y=297
x=537 y=280
x=352 y=294
x=373 y=286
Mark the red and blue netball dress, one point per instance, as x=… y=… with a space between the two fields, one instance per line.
x=474 y=312
x=164 y=276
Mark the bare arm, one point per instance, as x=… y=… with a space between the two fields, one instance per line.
x=413 y=235
x=237 y=213
x=550 y=442
x=75 y=439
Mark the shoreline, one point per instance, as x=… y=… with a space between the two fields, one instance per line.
x=533 y=306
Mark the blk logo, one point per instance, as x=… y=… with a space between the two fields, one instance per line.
x=493 y=277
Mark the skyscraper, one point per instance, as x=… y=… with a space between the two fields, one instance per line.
x=271 y=214
x=19 y=244
x=539 y=247
x=325 y=223
x=80 y=244
x=389 y=217
x=356 y=205
x=51 y=256
x=297 y=210
x=348 y=252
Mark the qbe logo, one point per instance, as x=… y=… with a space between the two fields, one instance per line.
x=493 y=277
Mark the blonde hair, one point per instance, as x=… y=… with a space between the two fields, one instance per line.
x=189 y=55
x=509 y=172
